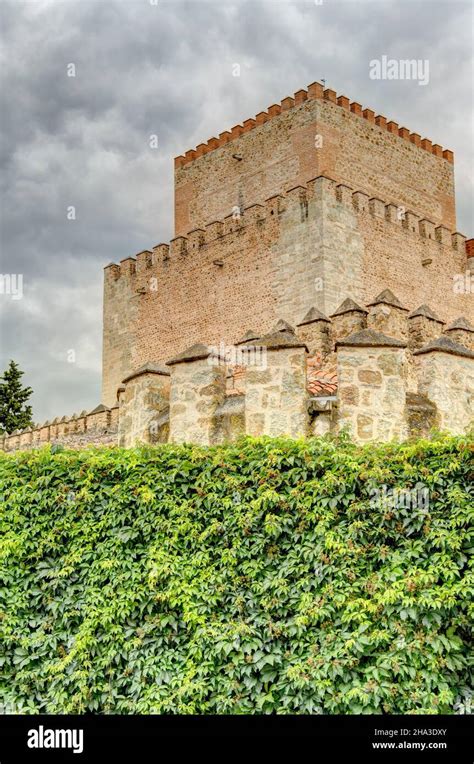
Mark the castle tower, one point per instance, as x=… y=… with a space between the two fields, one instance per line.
x=313 y=133
x=314 y=201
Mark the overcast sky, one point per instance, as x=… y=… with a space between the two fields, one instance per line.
x=164 y=67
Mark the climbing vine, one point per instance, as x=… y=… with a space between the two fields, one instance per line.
x=266 y=576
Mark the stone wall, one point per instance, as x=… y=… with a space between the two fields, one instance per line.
x=120 y=306
x=325 y=376
x=372 y=376
x=329 y=375
x=198 y=386
x=313 y=201
x=144 y=406
x=446 y=378
x=276 y=399
x=98 y=428
x=296 y=218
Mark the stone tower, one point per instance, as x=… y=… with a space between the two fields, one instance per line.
x=313 y=201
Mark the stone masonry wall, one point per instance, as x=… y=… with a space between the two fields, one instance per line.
x=144 y=408
x=276 y=401
x=314 y=202
x=197 y=390
x=120 y=306
x=448 y=382
x=372 y=390
x=99 y=428
x=326 y=376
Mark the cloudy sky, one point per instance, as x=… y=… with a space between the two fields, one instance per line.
x=165 y=68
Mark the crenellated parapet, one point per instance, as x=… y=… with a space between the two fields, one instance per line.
x=377 y=371
x=315 y=91
x=374 y=370
x=251 y=220
x=97 y=427
x=311 y=246
x=331 y=232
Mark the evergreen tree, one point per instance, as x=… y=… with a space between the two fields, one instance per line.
x=14 y=413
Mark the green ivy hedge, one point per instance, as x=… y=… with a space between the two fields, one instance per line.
x=265 y=576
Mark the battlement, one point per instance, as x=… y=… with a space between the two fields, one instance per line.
x=315 y=91
x=376 y=370
x=289 y=224
x=97 y=427
x=252 y=218
x=307 y=246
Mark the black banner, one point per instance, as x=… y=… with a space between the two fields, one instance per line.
x=101 y=738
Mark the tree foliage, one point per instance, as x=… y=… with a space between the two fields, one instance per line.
x=250 y=578
x=15 y=413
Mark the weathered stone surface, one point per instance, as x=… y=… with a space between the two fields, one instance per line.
x=422 y=415
x=369 y=376
x=426 y=312
x=349 y=394
x=446 y=379
x=143 y=405
x=374 y=408
x=346 y=324
x=283 y=326
x=98 y=410
x=258 y=376
x=365 y=427
x=194 y=353
x=316 y=335
x=278 y=406
x=461 y=323
x=348 y=306
x=370 y=338
x=445 y=345
x=72 y=432
x=147 y=368
x=271 y=236
x=388 y=316
x=313 y=315
x=462 y=332
x=249 y=336
x=281 y=339
x=198 y=388
x=387 y=298
x=388 y=363
x=230 y=419
x=423 y=326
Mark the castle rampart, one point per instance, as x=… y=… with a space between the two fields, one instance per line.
x=312 y=246
x=328 y=375
x=96 y=428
